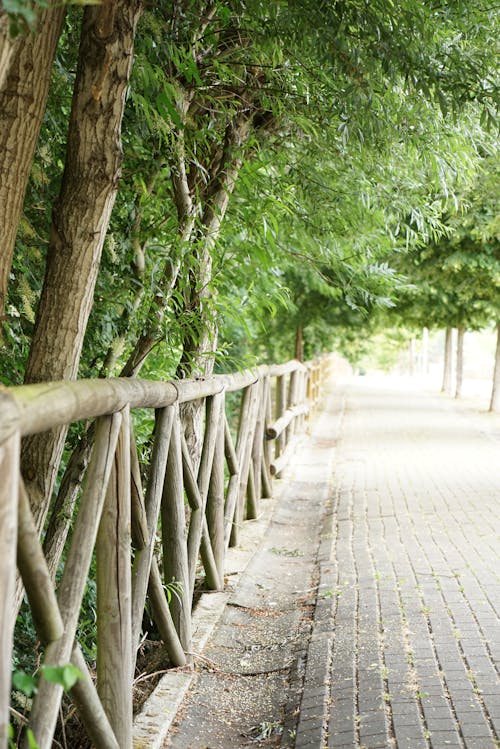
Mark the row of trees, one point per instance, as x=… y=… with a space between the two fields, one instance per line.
x=193 y=181
x=194 y=184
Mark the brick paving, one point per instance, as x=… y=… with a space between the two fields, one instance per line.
x=384 y=580
x=415 y=578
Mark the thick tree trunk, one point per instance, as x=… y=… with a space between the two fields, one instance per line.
x=80 y=219
x=495 y=389
x=7 y=45
x=448 y=364
x=460 y=362
x=25 y=66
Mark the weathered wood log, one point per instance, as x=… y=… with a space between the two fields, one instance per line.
x=280 y=407
x=143 y=557
x=274 y=431
x=278 y=370
x=267 y=447
x=258 y=442
x=267 y=487
x=215 y=503
x=292 y=399
x=86 y=700
x=163 y=617
x=9 y=489
x=213 y=579
x=173 y=526
x=114 y=595
x=244 y=452
x=46 y=405
x=230 y=452
x=62 y=511
x=252 y=504
x=282 y=461
x=36 y=408
x=214 y=406
x=140 y=531
x=35 y=575
x=49 y=624
x=232 y=494
x=46 y=703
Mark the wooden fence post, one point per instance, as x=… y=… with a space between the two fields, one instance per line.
x=215 y=502
x=173 y=526
x=291 y=402
x=46 y=703
x=9 y=487
x=114 y=595
x=214 y=415
x=279 y=411
x=143 y=557
x=267 y=490
x=246 y=434
x=258 y=445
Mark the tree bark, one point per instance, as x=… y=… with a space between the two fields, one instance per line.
x=200 y=343
x=460 y=362
x=447 y=366
x=7 y=45
x=299 y=343
x=495 y=389
x=25 y=67
x=80 y=219
x=425 y=352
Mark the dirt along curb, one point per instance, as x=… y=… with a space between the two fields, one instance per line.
x=153 y=722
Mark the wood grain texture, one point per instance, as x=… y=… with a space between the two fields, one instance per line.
x=114 y=595
x=25 y=66
x=9 y=471
x=46 y=703
x=173 y=526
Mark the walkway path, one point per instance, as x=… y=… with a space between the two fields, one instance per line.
x=374 y=603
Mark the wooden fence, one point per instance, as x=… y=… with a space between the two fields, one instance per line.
x=199 y=509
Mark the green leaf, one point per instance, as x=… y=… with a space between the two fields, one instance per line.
x=66 y=676
x=24 y=683
x=32 y=742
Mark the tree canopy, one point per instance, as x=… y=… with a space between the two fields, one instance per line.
x=279 y=161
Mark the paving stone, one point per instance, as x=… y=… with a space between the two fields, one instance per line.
x=415 y=563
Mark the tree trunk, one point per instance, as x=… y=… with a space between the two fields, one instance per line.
x=25 y=66
x=460 y=362
x=447 y=367
x=80 y=219
x=495 y=390
x=299 y=343
x=200 y=343
x=7 y=45
x=411 y=357
x=425 y=352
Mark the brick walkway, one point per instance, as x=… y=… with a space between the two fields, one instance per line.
x=414 y=579
x=369 y=618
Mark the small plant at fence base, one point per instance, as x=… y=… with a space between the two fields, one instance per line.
x=27 y=684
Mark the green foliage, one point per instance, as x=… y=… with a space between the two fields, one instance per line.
x=66 y=676
x=23 y=14
x=456 y=279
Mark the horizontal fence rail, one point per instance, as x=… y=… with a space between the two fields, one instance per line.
x=148 y=527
